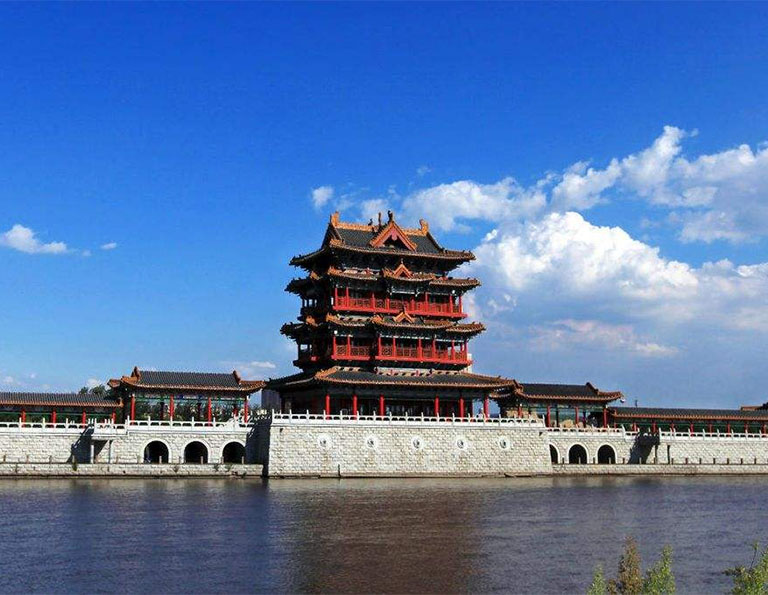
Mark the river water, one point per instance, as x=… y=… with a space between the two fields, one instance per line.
x=510 y=535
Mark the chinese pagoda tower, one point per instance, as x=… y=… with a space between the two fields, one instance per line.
x=382 y=327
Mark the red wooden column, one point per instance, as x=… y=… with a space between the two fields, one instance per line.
x=605 y=417
x=333 y=338
x=519 y=410
x=83 y=418
x=381 y=405
x=23 y=416
x=53 y=417
x=354 y=404
x=461 y=308
x=728 y=427
x=114 y=417
x=461 y=406
x=327 y=405
x=710 y=428
x=653 y=427
x=746 y=427
x=245 y=410
x=487 y=407
x=133 y=407
x=209 y=412
x=349 y=345
x=549 y=415
x=171 y=408
x=691 y=428
x=437 y=407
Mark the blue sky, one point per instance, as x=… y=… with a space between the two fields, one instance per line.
x=158 y=162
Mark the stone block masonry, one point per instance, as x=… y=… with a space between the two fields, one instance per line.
x=343 y=446
x=311 y=446
x=121 y=444
x=56 y=470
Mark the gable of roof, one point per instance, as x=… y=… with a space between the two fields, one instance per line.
x=376 y=235
x=57 y=400
x=158 y=379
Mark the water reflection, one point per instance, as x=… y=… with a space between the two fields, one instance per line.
x=518 y=535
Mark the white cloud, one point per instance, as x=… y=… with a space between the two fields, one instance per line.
x=568 y=252
x=25 y=240
x=9 y=380
x=93 y=382
x=109 y=246
x=718 y=196
x=569 y=333
x=423 y=170
x=321 y=195
x=370 y=209
x=445 y=205
x=250 y=370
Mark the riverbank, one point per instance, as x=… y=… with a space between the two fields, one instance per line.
x=104 y=470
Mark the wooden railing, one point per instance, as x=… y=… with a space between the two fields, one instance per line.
x=393 y=306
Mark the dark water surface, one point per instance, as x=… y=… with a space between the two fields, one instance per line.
x=515 y=535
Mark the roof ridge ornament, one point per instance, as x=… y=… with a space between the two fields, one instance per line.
x=392 y=232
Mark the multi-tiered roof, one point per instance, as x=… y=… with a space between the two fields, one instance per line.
x=381 y=308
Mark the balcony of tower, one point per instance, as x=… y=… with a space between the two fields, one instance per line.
x=385 y=303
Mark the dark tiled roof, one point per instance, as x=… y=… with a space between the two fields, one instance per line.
x=354 y=377
x=161 y=380
x=689 y=414
x=56 y=399
x=563 y=390
x=535 y=391
x=433 y=379
x=362 y=238
x=207 y=379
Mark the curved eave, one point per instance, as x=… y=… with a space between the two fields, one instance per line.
x=454 y=255
x=457 y=283
x=78 y=404
x=566 y=398
x=248 y=386
x=690 y=417
x=490 y=383
x=448 y=328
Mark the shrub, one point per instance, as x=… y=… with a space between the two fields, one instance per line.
x=659 y=579
x=752 y=580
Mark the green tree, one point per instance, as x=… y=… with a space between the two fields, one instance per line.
x=99 y=390
x=599 y=586
x=752 y=580
x=629 y=580
x=659 y=580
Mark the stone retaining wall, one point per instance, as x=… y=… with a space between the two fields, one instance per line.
x=382 y=448
x=658 y=469
x=126 y=470
x=116 y=444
